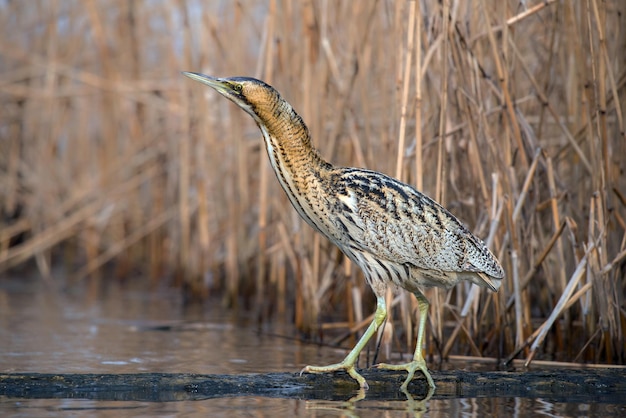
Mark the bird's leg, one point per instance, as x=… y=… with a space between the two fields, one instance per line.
x=348 y=363
x=418 y=362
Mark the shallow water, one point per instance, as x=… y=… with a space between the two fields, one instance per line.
x=117 y=329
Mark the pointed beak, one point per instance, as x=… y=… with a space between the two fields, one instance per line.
x=214 y=82
x=222 y=86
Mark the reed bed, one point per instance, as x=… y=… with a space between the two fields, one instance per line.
x=509 y=113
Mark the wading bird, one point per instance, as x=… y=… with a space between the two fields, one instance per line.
x=395 y=234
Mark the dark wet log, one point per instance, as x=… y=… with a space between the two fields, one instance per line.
x=592 y=385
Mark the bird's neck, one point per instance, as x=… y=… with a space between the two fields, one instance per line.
x=300 y=169
x=288 y=143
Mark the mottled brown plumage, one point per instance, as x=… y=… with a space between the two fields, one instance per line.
x=395 y=234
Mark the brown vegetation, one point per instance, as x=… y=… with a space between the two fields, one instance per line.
x=509 y=113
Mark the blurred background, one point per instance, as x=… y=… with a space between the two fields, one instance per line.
x=116 y=168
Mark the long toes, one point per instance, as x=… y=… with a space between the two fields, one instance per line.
x=391 y=366
x=411 y=368
x=421 y=367
x=324 y=369
x=349 y=368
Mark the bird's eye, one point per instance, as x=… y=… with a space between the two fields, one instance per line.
x=238 y=88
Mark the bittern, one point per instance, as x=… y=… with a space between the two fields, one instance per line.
x=395 y=234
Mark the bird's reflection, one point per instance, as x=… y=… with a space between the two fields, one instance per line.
x=350 y=408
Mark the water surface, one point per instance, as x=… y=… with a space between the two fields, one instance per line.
x=119 y=328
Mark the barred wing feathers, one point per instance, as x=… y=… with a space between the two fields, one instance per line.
x=381 y=216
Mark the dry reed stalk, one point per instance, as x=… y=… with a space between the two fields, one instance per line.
x=184 y=180
x=440 y=191
x=406 y=78
x=419 y=174
x=560 y=285
x=281 y=286
x=601 y=90
x=517 y=295
x=558 y=309
x=385 y=333
x=266 y=61
x=409 y=303
x=527 y=181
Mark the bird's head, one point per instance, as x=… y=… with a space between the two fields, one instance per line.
x=252 y=95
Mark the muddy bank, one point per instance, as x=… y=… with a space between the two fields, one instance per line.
x=596 y=385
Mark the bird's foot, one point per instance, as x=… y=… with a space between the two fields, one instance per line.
x=348 y=367
x=411 y=367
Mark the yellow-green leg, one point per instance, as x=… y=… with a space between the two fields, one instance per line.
x=418 y=362
x=348 y=363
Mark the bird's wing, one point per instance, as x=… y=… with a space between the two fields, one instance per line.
x=395 y=222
